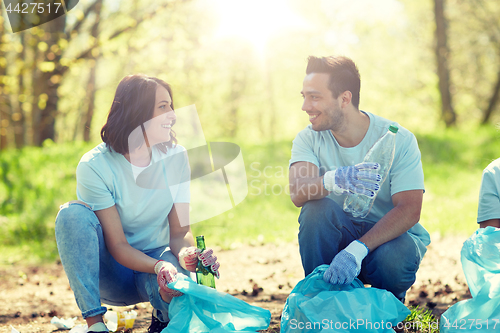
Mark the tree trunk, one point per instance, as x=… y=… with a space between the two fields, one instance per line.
x=17 y=116
x=271 y=101
x=3 y=130
x=90 y=106
x=447 y=112
x=233 y=107
x=4 y=101
x=493 y=102
x=48 y=115
x=44 y=117
x=3 y=119
x=238 y=86
x=92 y=78
x=47 y=82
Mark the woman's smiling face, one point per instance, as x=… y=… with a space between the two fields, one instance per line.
x=158 y=128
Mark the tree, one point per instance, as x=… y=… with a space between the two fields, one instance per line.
x=35 y=62
x=442 y=54
x=495 y=97
x=474 y=45
x=486 y=16
x=4 y=101
x=91 y=85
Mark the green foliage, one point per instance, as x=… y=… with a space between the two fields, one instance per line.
x=35 y=181
x=474 y=55
x=421 y=320
x=453 y=162
x=241 y=90
x=267 y=213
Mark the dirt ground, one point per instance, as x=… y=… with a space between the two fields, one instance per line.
x=260 y=275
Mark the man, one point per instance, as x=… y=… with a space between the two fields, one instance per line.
x=384 y=248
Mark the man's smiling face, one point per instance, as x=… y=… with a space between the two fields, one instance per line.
x=325 y=112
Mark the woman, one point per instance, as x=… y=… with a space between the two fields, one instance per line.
x=128 y=234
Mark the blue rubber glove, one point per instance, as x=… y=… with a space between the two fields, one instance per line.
x=346 y=265
x=360 y=178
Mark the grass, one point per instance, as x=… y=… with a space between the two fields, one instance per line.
x=421 y=320
x=453 y=162
x=35 y=181
x=267 y=213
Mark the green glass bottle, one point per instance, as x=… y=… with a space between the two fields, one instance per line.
x=204 y=274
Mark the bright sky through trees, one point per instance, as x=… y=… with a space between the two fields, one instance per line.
x=255 y=20
x=258 y=20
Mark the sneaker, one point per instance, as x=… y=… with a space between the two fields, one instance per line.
x=156 y=325
x=98 y=328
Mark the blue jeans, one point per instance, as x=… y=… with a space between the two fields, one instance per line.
x=325 y=230
x=94 y=275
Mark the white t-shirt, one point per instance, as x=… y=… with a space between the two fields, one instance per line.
x=142 y=196
x=489 y=199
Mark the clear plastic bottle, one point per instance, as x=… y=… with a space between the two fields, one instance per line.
x=382 y=152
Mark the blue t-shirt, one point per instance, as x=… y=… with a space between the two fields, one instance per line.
x=322 y=149
x=489 y=199
x=142 y=196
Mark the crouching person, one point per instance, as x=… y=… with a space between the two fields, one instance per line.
x=384 y=248
x=128 y=235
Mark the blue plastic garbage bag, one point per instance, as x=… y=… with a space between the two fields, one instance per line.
x=317 y=306
x=480 y=258
x=204 y=309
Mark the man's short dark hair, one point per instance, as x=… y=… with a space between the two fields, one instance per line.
x=344 y=75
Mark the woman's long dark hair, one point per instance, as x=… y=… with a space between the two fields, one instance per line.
x=132 y=106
